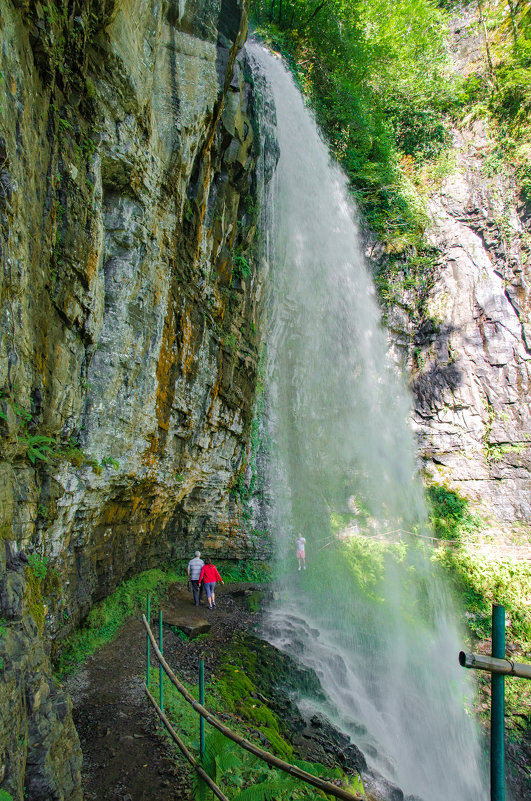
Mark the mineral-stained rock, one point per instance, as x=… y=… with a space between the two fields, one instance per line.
x=129 y=310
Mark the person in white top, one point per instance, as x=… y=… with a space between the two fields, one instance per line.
x=301 y=554
x=195 y=566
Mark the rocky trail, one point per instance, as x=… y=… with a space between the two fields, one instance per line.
x=125 y=755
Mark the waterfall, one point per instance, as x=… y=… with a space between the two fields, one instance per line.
x=370 y=614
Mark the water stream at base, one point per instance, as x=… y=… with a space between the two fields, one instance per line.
x=370 y=614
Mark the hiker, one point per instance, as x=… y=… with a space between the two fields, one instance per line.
x=209 y=576
x=195 y=566
x=301 y=555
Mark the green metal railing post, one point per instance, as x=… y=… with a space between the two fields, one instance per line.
x=497 y=715
x=161 y=670
x=202 y=702
x=147 y=644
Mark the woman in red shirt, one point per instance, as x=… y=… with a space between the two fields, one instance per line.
x=209 y=576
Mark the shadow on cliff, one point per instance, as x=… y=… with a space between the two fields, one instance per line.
x=436 y=374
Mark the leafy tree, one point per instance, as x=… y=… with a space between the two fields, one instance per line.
x=378 y=76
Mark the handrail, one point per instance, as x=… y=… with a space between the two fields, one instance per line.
x=276 y=762
x=215 y=789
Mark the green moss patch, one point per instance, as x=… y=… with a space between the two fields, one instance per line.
x=240 y=695
x=240 y=775
x=33 y=597
x=106 y=618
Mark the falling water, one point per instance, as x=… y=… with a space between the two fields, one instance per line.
x=370 y=614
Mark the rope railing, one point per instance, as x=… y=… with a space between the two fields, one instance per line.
x=265 y=756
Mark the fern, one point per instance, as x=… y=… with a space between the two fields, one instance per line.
x=39 y=447
x=221 y=755
x=274 y=788
x=317 y=769
x=227 y=764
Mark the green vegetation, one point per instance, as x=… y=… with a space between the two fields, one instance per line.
x=38 y=447
x=181 y=634
x=367 y=559
x=44 y=448
x=244 y=570
x=5 y=796
x=450 y=515
x=108 y=461
x=34 y=599
x=231 y=767
x=230 y=341
x=242 y=268
x=245 y=778
x=106 y=618
x=479 y=581
x=238 y=693
x=477 y=577
x=382 y=81
x=378 y=76
x=501 y=88
x=482 y=581
x=2 y=635
x=233 y=692
x=38 y=565
x=496 y=452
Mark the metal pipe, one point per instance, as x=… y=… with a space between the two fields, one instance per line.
x=201 y=701
x=497 y=711
x=505 y=666
x=147 y=643
x=161 y=671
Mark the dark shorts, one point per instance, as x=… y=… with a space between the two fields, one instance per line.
x=209 y=587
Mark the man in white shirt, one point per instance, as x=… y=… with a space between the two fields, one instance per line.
x=194 y=571
x=301 y=555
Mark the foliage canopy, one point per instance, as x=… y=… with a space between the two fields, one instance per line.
x=379 y=79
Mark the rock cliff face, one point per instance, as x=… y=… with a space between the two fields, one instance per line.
x=473 y=370
x=469 y=350
x=129 y=311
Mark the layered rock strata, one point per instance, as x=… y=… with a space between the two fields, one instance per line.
x=130 y=302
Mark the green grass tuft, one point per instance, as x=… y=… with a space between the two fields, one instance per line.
x=106 y=618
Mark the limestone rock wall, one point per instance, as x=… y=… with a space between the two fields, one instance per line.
x=129 y=309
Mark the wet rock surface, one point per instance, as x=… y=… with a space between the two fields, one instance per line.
x=133 y=360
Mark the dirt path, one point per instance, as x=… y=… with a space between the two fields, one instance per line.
x=125 y=757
